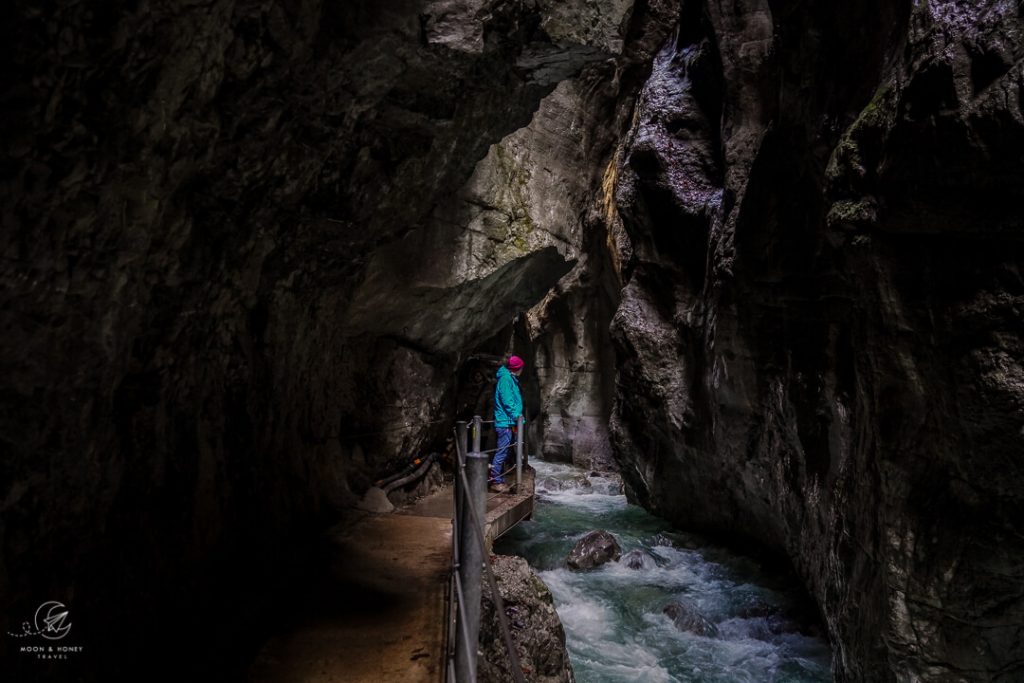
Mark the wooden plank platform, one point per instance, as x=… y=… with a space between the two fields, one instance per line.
x=504 y=511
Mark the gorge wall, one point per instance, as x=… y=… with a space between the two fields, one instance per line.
x=247 y=253
x=820 y=343
x=763 y=255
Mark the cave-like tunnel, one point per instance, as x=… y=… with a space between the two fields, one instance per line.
x=763 y=259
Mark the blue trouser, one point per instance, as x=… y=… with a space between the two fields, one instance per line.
x=504 y=441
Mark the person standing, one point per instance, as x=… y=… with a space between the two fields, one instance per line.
x=508 y=406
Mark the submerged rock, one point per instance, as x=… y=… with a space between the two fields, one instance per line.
x=686 y=617
x=636 y=559
x=593 y=550
x=608 y=482
x=554 y=484
x=536 y=630
x=677 y=540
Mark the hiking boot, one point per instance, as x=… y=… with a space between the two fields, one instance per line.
x=499 y=488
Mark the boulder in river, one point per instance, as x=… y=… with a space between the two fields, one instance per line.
x=635 y=559
x=593 y=550
x=686 y=617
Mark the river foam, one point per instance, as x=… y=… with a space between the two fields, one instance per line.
x=615 y=628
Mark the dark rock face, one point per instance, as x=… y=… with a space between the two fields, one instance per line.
x=547 y=184
x=686 y=617
x=203 y=205
x=249 y=245
x=593 y=550
x=536 y=629
x=819 y=341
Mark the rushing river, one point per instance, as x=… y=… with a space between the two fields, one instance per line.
x=613 y=619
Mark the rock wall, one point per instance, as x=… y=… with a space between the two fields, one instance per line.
x=250 y=245
x=819 y=341
x=536 y=631
x=545 y=185
x=191 y=196
x=230 y=294
x=536 y=185
x=529 y=223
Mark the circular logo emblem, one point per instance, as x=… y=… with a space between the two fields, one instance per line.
x=52 y=620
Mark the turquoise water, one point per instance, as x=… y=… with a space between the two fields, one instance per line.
x=615 y=629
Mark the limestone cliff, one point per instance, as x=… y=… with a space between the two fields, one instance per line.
x=819 y=344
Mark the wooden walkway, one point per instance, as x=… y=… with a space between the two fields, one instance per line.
x=382 y=612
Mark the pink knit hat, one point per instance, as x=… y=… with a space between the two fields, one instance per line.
x=515 y=363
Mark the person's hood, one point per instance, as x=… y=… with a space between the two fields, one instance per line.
x=503 y=371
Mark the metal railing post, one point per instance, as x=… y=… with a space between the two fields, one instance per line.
x=477 y=423
x=461 y=448
x=463 y=431
x=520 y=422
x=472 y=558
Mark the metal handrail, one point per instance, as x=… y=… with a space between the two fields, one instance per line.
x=520 y=444
x=462 y=666
x=462 y=620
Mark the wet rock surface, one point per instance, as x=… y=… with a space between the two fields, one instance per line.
x=536 y=629
x=593 y=550
x=636 y=559
x=687 y=617
x=553 y=484
x=818 y=342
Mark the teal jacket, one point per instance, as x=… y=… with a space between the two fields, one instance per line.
x=508 y=402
